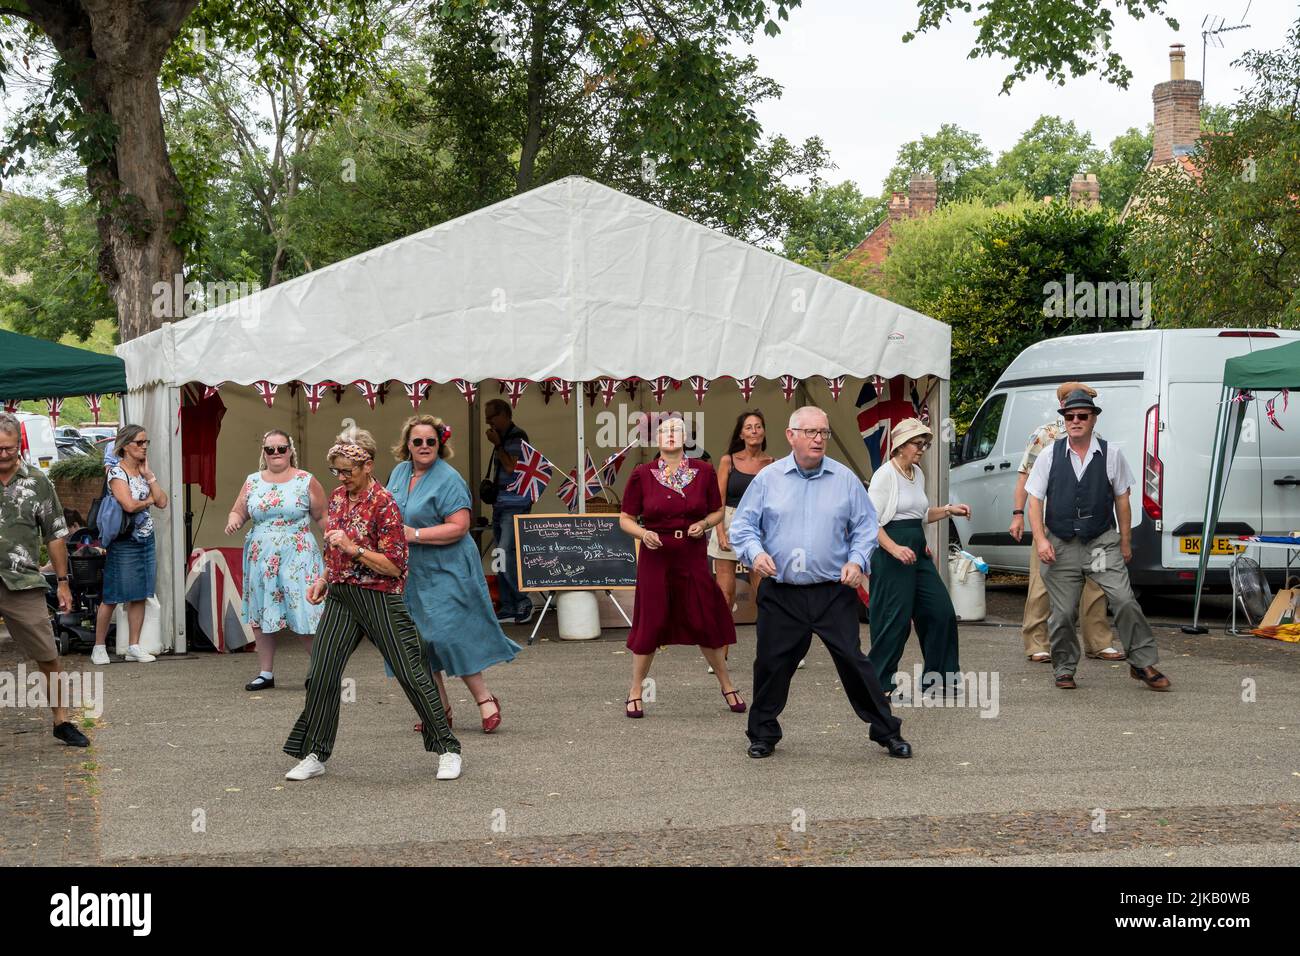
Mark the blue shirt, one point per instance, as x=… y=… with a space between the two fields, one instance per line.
x=810 y=523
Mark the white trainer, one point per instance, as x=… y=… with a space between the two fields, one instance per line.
x=134 y=653
x=800 y=665
x=449 y=766
x=99 y=655
x=308 y=768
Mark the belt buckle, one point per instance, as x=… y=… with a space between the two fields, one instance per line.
x=677 y=533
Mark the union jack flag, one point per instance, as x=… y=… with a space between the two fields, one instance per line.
x=609 y=470
x=11 y=405
x=836 y=385
x=267 y=390
x=54 y=406
x=1270 y=408
x=700 y=386
x=659 y=387
x=788 y=385
x=532 y=473
x=95 y=405
x=747 y=385
x=211 y=390
x=467 y=389
x=608 y=389
x=371 y=392
x=568 y=491
x=880 y=409
x=316 y=394
x=630 y=385
x=417 y=392
x=514 y=389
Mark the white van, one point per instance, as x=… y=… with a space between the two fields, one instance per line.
x=1159 y=391
x=37 y=440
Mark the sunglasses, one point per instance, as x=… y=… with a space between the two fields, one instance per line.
x=1077 y=416
x=421 y=442
x=275 y=449
x=143 y=443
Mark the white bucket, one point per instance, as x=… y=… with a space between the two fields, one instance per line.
x=578 y=615
x=150 y=631
x=966 y=588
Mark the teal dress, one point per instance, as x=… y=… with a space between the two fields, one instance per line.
x=445 y=590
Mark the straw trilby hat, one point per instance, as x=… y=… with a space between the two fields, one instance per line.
x=906 y=430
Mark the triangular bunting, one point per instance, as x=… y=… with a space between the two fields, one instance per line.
x=95 y=405
x=788 y=385
x=608 y=389
x=267 y=391
x=836 y=385
x=315 y=394
x=55 y=405
x=700 y=388
x=417 y=392
x=514 y=390
x=747 y=385
x=467 y=390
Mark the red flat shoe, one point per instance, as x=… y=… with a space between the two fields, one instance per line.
x=419 y=726
x=491 y=723
x=737 y=705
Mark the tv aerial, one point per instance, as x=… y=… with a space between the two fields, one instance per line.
x=1212 y=28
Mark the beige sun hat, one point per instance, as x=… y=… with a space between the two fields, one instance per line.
x=906 y=430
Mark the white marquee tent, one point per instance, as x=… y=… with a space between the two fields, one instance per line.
x=572 y=281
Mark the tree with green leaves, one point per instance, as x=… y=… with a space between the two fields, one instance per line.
x=826 y=222
x=1044 y=160
x=1125 y=161
x=956 y=158
x=1220 y=244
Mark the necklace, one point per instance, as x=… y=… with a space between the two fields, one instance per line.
x=906 y=474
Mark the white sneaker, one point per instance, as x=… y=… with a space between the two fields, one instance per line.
x=308 y=768
x=800 y=665
x=99 y=655
x=449 y=766
x=133 y=653
x=710 y=669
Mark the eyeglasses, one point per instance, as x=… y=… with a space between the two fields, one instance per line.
x=275 y=449
x=921 y=445
x=345 y=472
x=421 y=442
x=142 y=442
x=811 y=433
x=1077 y=416
x=8 y=449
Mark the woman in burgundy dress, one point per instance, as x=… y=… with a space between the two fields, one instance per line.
x=677 y=602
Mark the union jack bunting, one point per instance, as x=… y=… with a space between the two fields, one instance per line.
x=547 y=388
x=608 y=389
x=267 y=391
x=700 y=387
x=1269 y=409
x=747 y=385
x=95 y=405
x=315 y=394
x=55 y=405
x=514 y=389
x=836 y=385
x=293 y=389
x=467 y=389
x=788 y=384
x=11 y=405
x=659 y=388
x=417 y=392
x=630 y=385
x=589 y=391
x=532 y=473
x=371 y=392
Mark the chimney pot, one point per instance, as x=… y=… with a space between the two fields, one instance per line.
x=1177 y=62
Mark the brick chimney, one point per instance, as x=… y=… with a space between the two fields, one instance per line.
x=1178 y=111
x=898 y=207
x=923 y=194
x=1085 y=190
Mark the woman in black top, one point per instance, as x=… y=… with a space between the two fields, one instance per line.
x=746 y=456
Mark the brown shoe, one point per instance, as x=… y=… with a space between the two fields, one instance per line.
x=1109 y=655
x=1150 y=676
x=1066 y=682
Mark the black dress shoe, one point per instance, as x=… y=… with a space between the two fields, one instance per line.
x=761 y=748
x=70 y=735
x=897 y=747
x=260 y=683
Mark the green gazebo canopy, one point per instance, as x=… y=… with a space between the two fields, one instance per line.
x=1270 y=368
x=32 y=369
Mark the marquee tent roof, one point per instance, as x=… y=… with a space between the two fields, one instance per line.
x=572 y=280
x=1268 y=368
x=32 y=369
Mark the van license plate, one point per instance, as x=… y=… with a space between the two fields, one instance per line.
x=1222 y=545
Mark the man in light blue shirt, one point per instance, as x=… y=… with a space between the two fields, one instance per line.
x=806 y=525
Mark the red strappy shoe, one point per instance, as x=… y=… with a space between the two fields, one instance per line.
x=419 y=726
x=638 y=712
x=491 y=723
x=737 y=705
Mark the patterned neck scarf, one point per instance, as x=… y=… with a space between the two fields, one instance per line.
x=678 y=480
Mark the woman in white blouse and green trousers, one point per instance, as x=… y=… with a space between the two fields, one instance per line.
x=905 y=586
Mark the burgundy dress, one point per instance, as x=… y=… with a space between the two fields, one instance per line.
x=677 y=600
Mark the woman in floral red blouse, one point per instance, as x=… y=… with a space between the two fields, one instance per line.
x=365 y=572
x=677 y=602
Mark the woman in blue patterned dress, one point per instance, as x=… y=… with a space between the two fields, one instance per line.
x=446 y=592
x=281 y=558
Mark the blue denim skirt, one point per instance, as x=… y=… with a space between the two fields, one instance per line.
x=130 y=571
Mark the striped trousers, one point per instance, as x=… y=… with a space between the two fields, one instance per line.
x=352 y=612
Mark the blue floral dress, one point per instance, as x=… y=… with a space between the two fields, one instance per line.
x=281 y=558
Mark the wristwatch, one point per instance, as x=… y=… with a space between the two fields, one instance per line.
x=63 y=577
x=361 y=553
x=1018 y=511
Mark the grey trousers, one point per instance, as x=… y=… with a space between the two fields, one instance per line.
x=1099 y=560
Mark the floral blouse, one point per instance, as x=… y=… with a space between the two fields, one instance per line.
x=373 y=522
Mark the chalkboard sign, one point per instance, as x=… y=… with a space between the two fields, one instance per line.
x=573 y=552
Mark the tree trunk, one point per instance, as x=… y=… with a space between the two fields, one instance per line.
x=532 y=141
x=115 y=49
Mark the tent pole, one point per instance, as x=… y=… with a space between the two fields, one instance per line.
x=579 y=400
x=1225 y=432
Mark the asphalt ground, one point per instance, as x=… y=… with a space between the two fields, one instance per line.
x=187 y=768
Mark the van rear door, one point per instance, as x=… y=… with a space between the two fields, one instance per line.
x=1279 y=463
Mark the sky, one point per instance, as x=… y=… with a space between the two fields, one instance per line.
x=849 y=78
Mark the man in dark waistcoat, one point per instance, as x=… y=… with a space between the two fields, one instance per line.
x=1078 y=487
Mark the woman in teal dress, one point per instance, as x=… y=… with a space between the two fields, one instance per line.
x=445 y=591
x=281 y=558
